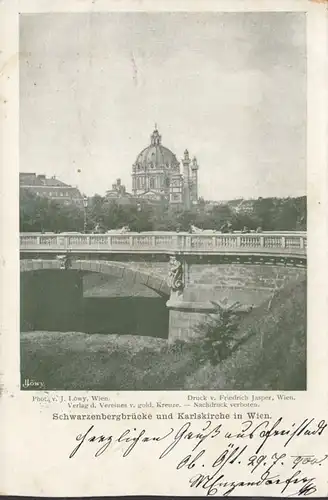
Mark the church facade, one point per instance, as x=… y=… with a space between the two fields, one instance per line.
x=156 y=175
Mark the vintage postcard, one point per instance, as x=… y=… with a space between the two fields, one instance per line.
x=164 y=248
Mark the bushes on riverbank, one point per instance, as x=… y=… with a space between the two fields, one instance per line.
x=272 y=349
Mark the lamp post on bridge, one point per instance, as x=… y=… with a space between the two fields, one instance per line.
x=85 y=206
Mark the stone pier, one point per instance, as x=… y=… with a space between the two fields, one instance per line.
x=185 y=318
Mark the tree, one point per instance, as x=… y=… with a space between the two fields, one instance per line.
x=281 y=214
x=263 y=210
x=95 y=212
x=41 y=214
x=219 y=215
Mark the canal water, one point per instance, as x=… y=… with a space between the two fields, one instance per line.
x=126 y=315
x=56 y=302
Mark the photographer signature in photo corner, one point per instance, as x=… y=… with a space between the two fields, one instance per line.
x=29 y=383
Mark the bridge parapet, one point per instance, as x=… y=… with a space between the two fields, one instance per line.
x=284 y=243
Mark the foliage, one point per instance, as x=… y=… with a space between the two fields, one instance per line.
x=281 y=214
x=218 y=334
x=41 y=214
x=271 y=348
x=271 y=214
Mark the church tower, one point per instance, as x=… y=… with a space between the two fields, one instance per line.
x=155 y=138
x=194 y=180
x=186 y=180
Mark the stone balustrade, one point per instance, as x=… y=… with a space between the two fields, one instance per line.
x=207 y=243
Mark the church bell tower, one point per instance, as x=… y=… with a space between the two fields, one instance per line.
x=194 y=180
x=186 y=180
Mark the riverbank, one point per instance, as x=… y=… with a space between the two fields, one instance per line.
x=80 y=361
x=270 y=356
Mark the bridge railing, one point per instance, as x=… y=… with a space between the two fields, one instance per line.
x=289 y=243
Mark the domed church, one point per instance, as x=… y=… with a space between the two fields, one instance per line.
x=156 y=175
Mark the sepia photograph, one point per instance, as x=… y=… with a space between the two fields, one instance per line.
x=163 y=201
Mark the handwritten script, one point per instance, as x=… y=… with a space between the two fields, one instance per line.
x=243 y=458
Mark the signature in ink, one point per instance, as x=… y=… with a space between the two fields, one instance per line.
x=212 y=483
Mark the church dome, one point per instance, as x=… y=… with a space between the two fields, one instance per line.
x=155 y=155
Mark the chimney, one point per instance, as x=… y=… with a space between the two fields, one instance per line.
x=41 y=178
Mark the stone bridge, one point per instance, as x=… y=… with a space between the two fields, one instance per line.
x=192 y=271
x=131 y=275
x=206 y=243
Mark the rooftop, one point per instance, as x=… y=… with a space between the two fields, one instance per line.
x=32 y=179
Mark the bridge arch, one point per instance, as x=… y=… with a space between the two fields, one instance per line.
x=130 y=275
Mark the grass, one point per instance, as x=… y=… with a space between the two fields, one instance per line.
x=271 y=355
x=272 y=350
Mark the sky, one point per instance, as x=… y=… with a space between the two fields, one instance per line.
x=230 y=87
